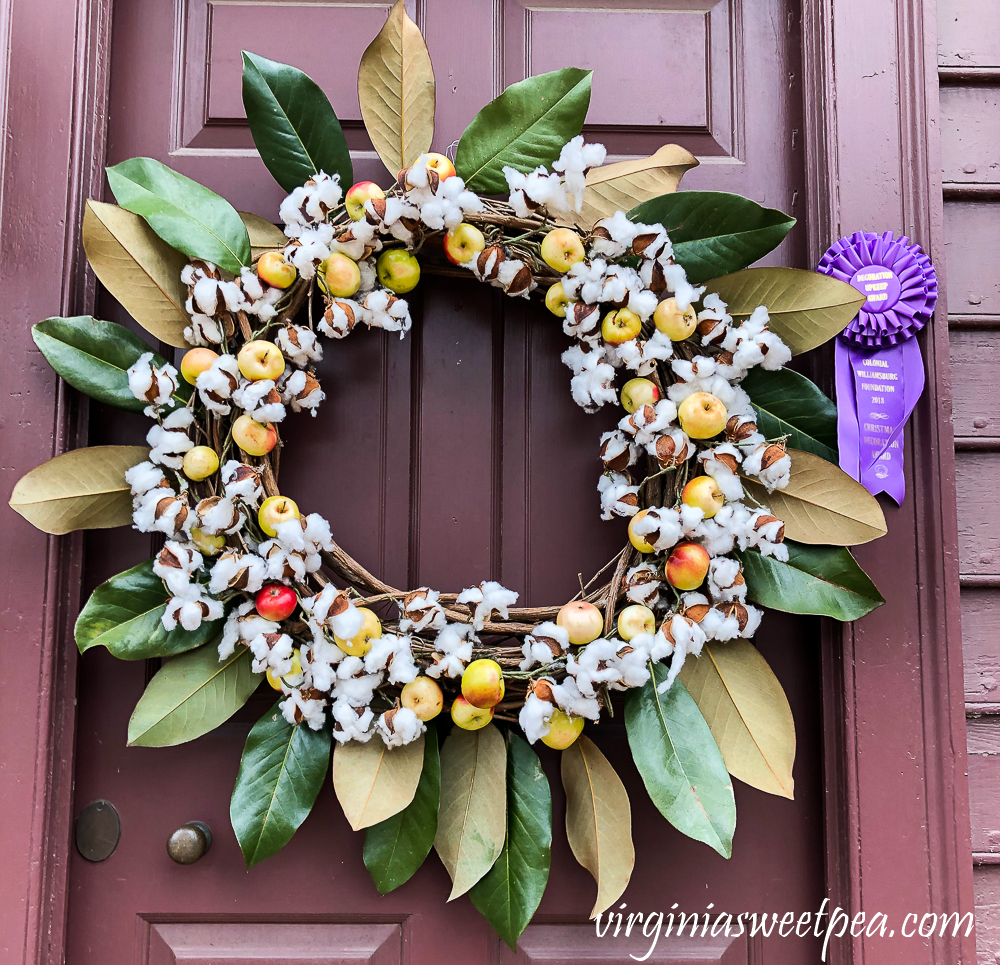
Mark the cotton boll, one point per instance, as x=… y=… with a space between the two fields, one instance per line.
x=384 y=310
x=297 y=709
x=340 y=317
x=593 y=386
x=203 y=330
x=167 y=446
x=776 y=352
x=175 y=564
x=547 y=642
x=242 y=482
x=217 y=384
x=421 y=611
x=260 y=400
x=770 y=464
x=725 y=580
x=400 y=726
x=302 y=392
x=394 y=655
x=351 y=723
x=643 y=585
x=593 y=665
x=489 y=597
x=568 y=698
x=218 y=515
x=454 y=643
x=189 y=608
x=660 y=527
x=687 y=638
x=299 y=345
x=152 y=384
x=535 y=717
x=143 y=477
x=633 y=661
x=613 y=236
x=234 y=570
x=618 y=496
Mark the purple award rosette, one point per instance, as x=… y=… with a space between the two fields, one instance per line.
x=880 y=373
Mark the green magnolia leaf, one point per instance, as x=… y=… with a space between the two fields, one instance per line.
x=396 y=848
x=790 y=404
x=509 y=893
x=714 y=233
x=191 y=695
x=293 y=124
x=94 y=356
x=680 y=763
x=281 y=772
x=806 y=308
x=124 y=614
x=184 y=213
x=824 y=580
x=525 y=126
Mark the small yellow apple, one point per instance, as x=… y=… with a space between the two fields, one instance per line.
x=423 y=696
x=275 y=681
x=702 y=415
x=703 y=492
x=274 y=510
x=620 y=325
x=437 y=162
x=398 y=270
x=360 y=643
x=563 y=730
x=582 y=621
x=639 y=392
x=200 y=463
x=469 y=716
x=556 y=300
x=562 y=248
x=463 y=243
x=196 y=361
x=638 y=541
x=354 y=200
x=636 y=619
x=272 y=268
x=260 y=359
x=209 y=545
x=341 y=275
x=674 y=323
x=687 y=566
x=254 y=438
x=482 y=683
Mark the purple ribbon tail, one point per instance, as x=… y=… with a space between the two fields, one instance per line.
x=848 y=434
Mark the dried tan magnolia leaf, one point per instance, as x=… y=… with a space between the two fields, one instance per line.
x=624 y=184
x=82 y=489
x=472 y=818
x=748 y=714
x=396 y=90
x=138 y=268
x=822 y=504
x=264 y=236
x=806 y=307
x=374 y=782
x=598 y=820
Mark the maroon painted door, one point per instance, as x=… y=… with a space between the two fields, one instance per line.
x=452 y=456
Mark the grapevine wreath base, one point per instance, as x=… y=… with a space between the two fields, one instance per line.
x=720 y=454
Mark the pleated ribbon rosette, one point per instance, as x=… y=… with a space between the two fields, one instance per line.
x=879 y=369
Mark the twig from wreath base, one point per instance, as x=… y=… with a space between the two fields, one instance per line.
x=298 y=300
x=614 y=589
x=430 y=268
x=505 y=220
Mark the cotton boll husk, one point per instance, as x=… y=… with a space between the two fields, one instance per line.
x=618 y=451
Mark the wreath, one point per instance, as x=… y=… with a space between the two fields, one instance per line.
x=724 y=463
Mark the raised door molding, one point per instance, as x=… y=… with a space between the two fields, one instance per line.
x=271 y=943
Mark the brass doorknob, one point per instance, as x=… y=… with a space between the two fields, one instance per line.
x=190 y=842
